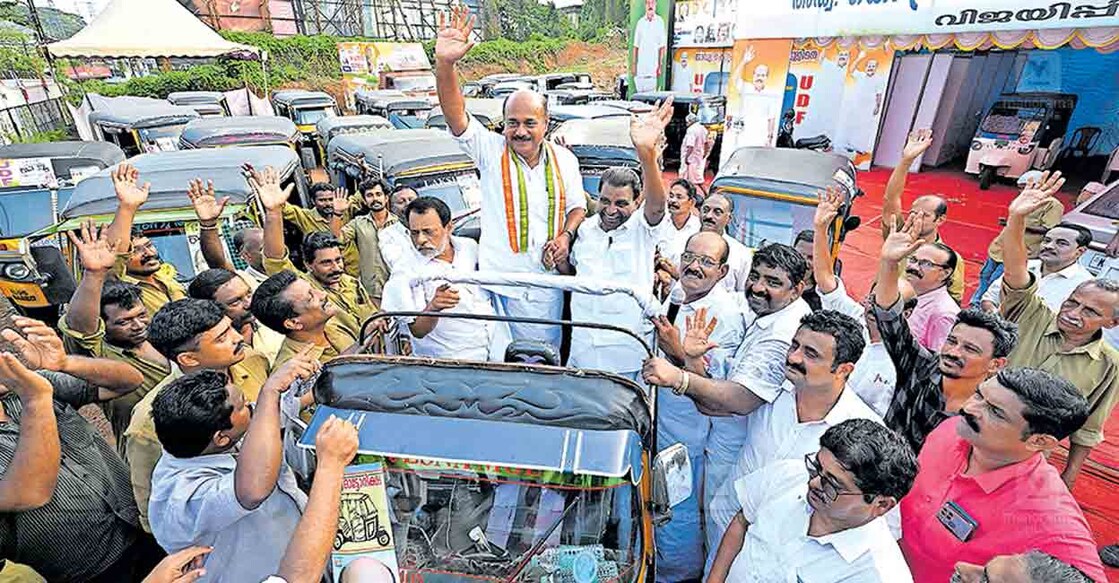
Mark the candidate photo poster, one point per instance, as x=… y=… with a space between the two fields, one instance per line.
x=648 y=48
x=864 y=101
x=755 y=92
x=819 y=77
x=704 y=23
x=701 y=70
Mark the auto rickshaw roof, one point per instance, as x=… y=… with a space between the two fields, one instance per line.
x=242 y=130
x=585 y=111
x=303 y=98
x=803 y=172
x=140 y=114
x=630 y=106
x=398 y=150
x=195 y=97
x=329 y=127
x=678 y=97
x=510 y=393
x=391 y=99
x=612 y=131
x=491 y=109
x=169 y=173
x=104 y=153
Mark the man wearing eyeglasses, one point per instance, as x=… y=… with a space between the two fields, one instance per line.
x=823 y=518
x=698 y=295
x=928 y=268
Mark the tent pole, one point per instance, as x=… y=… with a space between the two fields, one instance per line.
x=264 y=68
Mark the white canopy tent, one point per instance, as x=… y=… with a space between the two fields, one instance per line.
x=149 y=29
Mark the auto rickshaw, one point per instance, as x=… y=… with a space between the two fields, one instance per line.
x=511 y=471
x=775 y=193
x=710 y=109
x=168 y=218
x=552 y=81
x=256 y=130
x=329 y=128
x=36 y=182
x=599 y=144
x=206 y=103
x=1021 y=132
x=138 y=126
x=489 y=112
x=402 y=111
x=634 y=107
x=427 y=160
x=562 y=113
x=487 y=84
x=506 y=88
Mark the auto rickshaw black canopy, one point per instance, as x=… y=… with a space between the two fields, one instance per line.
x=396 y=151
x=239 y=130
x=135 y=114
x=490 y=112
x=67 y=154
x=599 y=141
x=390 y=100
x=796 y=172
x=329 y=127
x=169 y=173
x=303 y=98
x=195 y=97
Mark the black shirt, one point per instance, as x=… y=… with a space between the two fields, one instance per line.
x=91 y=519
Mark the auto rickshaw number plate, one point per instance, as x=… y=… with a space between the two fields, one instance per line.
x=28 y=295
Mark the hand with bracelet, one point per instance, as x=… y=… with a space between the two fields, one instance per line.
x=206 y=205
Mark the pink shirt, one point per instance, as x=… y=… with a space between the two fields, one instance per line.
x=696 y=139
x=933 y=318
x=1020 y=507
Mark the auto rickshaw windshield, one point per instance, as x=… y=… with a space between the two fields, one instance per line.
x=1009 y=121
x=488 y=522
x=452 y=192
x=414 y=83
x=711 y=113
x=311 y=116
x=25 y=211
x=162 y=138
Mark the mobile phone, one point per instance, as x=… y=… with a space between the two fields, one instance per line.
x=957 y=521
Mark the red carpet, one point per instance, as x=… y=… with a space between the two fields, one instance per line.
x=973 y=221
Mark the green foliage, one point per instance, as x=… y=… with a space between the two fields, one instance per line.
x=503 y=51
x=42 y=137
x=18 y=56
x=57 y=25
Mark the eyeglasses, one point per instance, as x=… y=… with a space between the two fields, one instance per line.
x=705 y=261
x=925 y=263
x=832 y=490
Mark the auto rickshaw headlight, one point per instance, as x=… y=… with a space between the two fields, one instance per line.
x=1026 y=149
x=16 y=271
x=977 y=145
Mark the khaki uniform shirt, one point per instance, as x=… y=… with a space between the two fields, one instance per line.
x=338 y=336
x=1045 y=217
x=362 y=234
x=142 y=449
x=1092 y=368
x=356 y=305
x=119 y=410
x=166 y=288
x=310 y=220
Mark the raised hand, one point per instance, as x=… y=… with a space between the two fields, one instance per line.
x=901 y=243
x=21 y=380
x=341 y=202
x=206 y=205
x=668 y=337
x=749 y=54
x=445 y=298
x=266 y=184
x=95 y=251
x=336 y=442
x=828 y=207
x=453 y=41
x=697 y=339
x=302 y=366
x=38 y=343
x=1036 y=193
x=919 y=142
x=646 y=130
x=126 y=183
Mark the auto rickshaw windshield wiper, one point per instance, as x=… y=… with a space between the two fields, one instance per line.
x=539 y=546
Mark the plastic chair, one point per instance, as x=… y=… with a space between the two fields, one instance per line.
x=1082 y=142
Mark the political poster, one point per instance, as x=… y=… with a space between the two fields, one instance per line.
x=701 y=70
x=363 y=544
x=864 y=101
x=704 y=23
x=648 y=50
x=755 y=93
x=27 y=172
x=363 y=63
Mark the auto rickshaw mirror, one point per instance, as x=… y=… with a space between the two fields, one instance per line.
x=851 y=223
x=672 y=481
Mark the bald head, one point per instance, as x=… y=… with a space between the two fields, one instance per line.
x=711 y=243
x=526 y=122
x=935 y=211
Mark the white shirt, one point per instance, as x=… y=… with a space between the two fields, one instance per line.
x=678 y=420
x=649 y=37
x=739 y=261
x=395 y=243
x=486 y=148
x=758 y=112
x=673 y=247
x=779 y=549
x=1053 y=289
x=759 y=365
x=623 y=254
x=874 y=377
x=774 y=432
x=451 y=337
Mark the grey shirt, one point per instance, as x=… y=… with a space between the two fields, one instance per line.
x=91 y=519
x=193 y=502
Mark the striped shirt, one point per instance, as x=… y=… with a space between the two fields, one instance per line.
x=91 y=519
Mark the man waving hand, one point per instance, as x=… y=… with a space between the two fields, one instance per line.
x=532 y=191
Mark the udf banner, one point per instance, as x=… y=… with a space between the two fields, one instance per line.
x=757 y=88
x=864 y=101
x=648 y=50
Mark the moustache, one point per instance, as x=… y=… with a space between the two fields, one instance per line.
x=522 y=138
x=239 y=348
x=913 y=272
x=797 y=367
x=971 y=421
x=764 y=297
x=693 y=272
x=952 y=360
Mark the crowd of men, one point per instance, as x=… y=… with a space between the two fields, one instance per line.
x=903 y=436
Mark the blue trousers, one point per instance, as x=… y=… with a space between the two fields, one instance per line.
x=991 y=271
